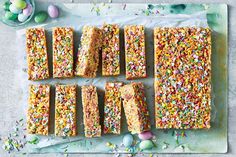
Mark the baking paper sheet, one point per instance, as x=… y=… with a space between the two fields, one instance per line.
x=79 y=143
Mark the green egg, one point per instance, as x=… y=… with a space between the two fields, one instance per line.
x=10 y=16
x=6 y=5
x=146 y=144
x=20 y=4
x=40 y=17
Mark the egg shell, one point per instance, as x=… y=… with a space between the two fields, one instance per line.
x=145 y=135
x=53 y=11
x=20 y=4
x=146 y=144
x=6 y=5
x=28 y=10
x=22 y=17
x=10 y=16
x=40 y=17
x=14 y=10
x=128 y=140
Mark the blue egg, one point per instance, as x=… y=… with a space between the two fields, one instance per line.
x=14 y=10
x=128 y=140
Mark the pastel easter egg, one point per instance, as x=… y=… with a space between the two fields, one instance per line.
x=146 y=144
x=40 y=17
x=10 y=16
x=28 y=10
x=128 y=140
x=53 y=11
x=6 y=5
x=145 y=135
x=14 y=10
x=22 y=17
x=20 y=4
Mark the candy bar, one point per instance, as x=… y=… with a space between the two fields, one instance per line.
x=63 y=52
x=135 y=52
x=37 y=57
x=88 y=52
x=38 y=109
x=65 y=110
x=112 y=108
x=110 y=50
x=182 y=77
x=135 y=107
x=92 y=127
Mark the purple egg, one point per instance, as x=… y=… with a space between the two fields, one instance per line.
x=53 y=11
x=145 y=135
x=28 y=10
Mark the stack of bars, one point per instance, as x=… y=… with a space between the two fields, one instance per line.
x=182 y=77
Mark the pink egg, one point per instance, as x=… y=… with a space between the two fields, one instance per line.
x=28 y=10
x=145 y=135
x=53 y=11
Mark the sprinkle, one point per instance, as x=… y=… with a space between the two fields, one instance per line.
x=34 y=140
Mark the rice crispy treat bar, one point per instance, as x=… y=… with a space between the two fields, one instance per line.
x=112 y=108
x=92 y=127
x=63 y=52
x=135 y=52
x=88 y=53
x=65 y=110
x=135 y=107
x=38 y=109
x=110 y=50
x=37 y=57
x=182 y=77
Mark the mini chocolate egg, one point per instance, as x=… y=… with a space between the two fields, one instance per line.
x=6 y=5
x=146 y=144
x=145 y=135
x=28 y=10
x=14 y=10
x=10 y=16
x=53 y=11
x=20 y=4
x=128 y=140
x=40 y=17
x=22 y=17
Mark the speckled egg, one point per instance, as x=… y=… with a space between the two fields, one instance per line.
x=145 y=135
x=14 y=10
x=146 y=144
x=128 y=140
x=28 y=10
x=53 y=11
x=20 y=4
x=22 y=17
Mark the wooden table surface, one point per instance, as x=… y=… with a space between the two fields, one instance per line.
x=9 y=93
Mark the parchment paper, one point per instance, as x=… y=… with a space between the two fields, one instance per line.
x=77 y=22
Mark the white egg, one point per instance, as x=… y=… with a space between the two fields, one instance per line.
x=22 y=17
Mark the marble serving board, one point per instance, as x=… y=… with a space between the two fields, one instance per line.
x=215 y=16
